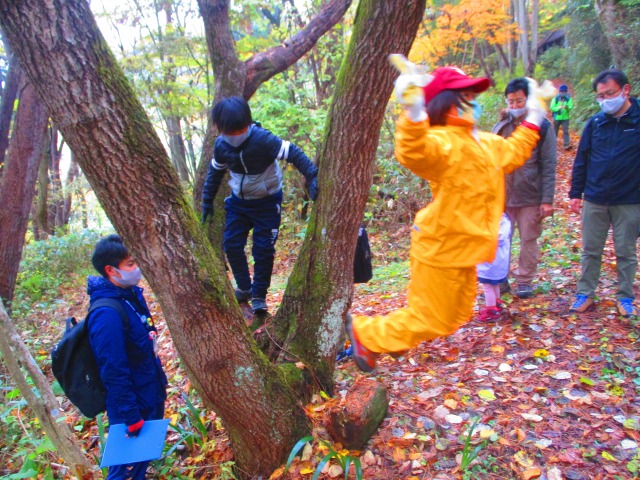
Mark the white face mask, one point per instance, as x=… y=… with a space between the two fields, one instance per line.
x=517 y=112
x=612 y=105
x=129 y=278
x=237 y=140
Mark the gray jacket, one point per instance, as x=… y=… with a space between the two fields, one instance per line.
x=535 y=182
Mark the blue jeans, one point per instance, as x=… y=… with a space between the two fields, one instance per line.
x=263 y=217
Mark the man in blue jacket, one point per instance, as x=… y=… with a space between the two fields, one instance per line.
x=126 y=354
x=606 y=171
x=251 y=155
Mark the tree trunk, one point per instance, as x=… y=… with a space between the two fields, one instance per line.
x=234 y=77
x=9 y=94
x=535 y=21
x=45 y=406
x=521 y=18
x=72 y=175
x=41 y=220
x=56 y=199
x=310 y=320
x=176 y=147
x=619 y=23
x=17 y=186
x=90 y=100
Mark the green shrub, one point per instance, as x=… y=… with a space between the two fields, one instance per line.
x=48 y=264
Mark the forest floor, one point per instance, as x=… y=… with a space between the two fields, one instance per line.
x=556 y=395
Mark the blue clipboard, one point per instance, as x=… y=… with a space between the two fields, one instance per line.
x=121 y=449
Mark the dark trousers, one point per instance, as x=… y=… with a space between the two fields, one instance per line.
x=565 y=130
x=263 y=217
x=135 y=471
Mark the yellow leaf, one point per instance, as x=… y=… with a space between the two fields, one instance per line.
x=451 y=403
x=174 y=419
x=486 y=395
x=497 y=348
x=306 y=470
x=486 y=433
x=523 y=459
x=541 y=353
x=608 y=456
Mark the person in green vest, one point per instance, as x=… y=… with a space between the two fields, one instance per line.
x=561 y=106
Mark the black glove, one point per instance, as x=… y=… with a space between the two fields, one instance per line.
x=134 y=430
x=313 y=188
x=206 y=211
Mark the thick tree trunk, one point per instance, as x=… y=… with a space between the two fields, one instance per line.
x=90 y=100
x=9 y=95
x=45 y=406
x=17 y=186
x=310 y=320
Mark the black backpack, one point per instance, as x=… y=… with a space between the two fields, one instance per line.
x=362 y=267
x=74 y=365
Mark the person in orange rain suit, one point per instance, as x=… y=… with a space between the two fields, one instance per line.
x=459 y=229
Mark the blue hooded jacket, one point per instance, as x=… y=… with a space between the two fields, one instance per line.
x=129 y=369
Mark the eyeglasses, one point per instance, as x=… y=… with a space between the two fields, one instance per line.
x=518 y=102
x=609 y=94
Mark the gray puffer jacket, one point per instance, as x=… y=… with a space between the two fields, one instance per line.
x=535 y=182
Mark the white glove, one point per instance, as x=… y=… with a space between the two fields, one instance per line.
x=409 y=85
x=537 y=100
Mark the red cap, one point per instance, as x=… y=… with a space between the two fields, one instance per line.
x=452 y=78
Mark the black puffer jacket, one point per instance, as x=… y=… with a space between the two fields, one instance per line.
x=253 y=165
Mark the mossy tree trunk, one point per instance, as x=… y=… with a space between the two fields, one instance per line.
x=66 y=59
x=310 y=320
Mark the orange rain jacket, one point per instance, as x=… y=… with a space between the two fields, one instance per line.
x=460 y=227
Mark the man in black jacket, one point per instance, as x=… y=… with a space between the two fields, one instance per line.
x=606 y=171
x=251 y=155
x=530 y=188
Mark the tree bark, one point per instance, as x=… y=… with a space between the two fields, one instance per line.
x=17 y=186
x=619 y=23
x=41 y=220
x=9 y=95
x=310 y=320
x=45 y=406
x=90 y=100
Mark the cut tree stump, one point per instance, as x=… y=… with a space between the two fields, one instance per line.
x=357 y=417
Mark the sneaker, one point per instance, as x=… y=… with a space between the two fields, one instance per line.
x=626 y=308
x=259 y=305
x=499 y=305
x=489 y=314
x=365 y=360
x=524 y=290
x=581 y=304
x=242 y=296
